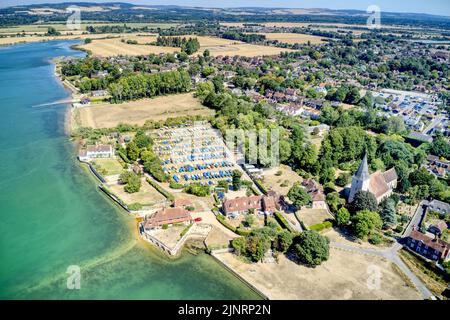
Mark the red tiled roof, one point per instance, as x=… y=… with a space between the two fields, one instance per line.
x=269 y=203
x=378 y=185
x=436 y=244
x=390 y=175
x=167 y=216
x=99 y=148
x=314 y=190
x=241 y=204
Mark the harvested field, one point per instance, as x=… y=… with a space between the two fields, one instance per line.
x=114 y=46
x=137 y=112
x=293 y=38
x=343 y=277
x=216 y=46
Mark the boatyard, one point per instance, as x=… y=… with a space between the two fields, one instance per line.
x=194 y=154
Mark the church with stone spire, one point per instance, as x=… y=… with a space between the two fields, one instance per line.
x=380 y=184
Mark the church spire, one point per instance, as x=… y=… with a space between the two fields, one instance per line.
x=363 y=170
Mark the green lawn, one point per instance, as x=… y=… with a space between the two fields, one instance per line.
x=108 y=167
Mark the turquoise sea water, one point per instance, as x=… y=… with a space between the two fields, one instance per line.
x=53 y=216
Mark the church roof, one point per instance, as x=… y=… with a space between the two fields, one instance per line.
x=377 y=184
x=363 y=170
x=390 y=175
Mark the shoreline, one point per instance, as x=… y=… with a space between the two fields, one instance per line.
x=68 y=129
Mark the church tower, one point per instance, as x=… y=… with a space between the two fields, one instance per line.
x=360 y=180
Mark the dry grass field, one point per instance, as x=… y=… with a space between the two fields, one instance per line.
x=310 y=217
x=280 y=183
x=115 y=46
x=343 y=277
x=147 y=195
x=293 y=38
x=137 y=112
x=216 y=46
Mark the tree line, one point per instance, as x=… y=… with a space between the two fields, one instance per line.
x=138 y=86
x=187 y=45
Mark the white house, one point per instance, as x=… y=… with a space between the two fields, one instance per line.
x=96 y=151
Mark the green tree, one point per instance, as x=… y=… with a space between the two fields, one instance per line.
x=388 y=212
x=334 y=201
x=440 y=147
x=239 y=245
x=343 y=179
x=365 y=222
x=236 y=180
x=125 y=177
x=257 y=246
x=342 y=216
x=364 y=200
x=298 y=195
x=133 y=185
x=249 y=219
x=312 y=248
x=284 y=240
x=132 y=150
x=142 y=140
x=197 y=189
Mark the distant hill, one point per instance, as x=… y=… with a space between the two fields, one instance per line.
x=127 y=12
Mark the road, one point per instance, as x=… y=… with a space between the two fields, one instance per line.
x=433 y=124
x=416 y=220
x=391 y=254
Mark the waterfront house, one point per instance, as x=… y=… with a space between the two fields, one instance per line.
x=167 y=216
x=430 y=248
x=100 y=151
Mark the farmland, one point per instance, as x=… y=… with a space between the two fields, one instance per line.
x=216 y=46
x=292 y=38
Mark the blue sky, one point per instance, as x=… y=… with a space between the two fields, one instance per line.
x=439 y=7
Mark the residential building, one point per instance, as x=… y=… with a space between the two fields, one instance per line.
x=439 y=206
x=431 y=248
x=438 y=227
x=380 y=184
x=315 y=190
x=265 y=204
x=167 y=216
x=439 y=167
x=96 y=151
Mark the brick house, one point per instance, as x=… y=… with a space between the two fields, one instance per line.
x=265 y=204
x=167 y=216
x=431 y=248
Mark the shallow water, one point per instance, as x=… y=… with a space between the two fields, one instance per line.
x=53 y=215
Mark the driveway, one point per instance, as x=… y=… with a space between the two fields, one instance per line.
x=417 y=218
